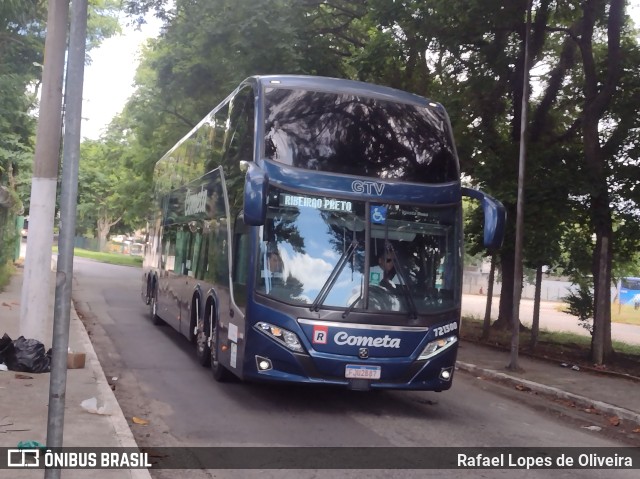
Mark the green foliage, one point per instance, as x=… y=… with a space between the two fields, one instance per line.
x=110 y=258
x=6 y=270
x=102 y=21
x=580 y=304
x=8 y=236
x=468 y=55
x=109 y=189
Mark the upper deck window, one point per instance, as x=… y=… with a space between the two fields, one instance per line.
x=358 y=135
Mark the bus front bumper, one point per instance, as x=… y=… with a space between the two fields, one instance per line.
x=272 y=362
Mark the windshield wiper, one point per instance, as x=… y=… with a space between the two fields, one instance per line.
x=326 y=287
x=353 y=304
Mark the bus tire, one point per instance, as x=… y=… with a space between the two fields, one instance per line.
x=203 y=350
x=153 y=306
x=218 y=371
x=147 y=295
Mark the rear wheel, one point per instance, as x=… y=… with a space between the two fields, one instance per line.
x=203 y=350
x=153 y=306
x=219 y=372
x=147 y=296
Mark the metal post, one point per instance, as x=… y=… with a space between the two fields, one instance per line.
x=517 y=270
x=68 y=194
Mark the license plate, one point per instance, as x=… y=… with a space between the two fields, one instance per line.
x=354 y=371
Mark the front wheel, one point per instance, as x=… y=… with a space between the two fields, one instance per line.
x=219 y=372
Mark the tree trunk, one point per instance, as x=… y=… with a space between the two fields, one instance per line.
x=601 y=345
x=104 y=226
x=598 y=93
x=535 y=322
x=486 y=325
x=505 y=310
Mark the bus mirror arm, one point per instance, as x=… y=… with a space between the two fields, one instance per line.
x=495 y=217
x=255 y=194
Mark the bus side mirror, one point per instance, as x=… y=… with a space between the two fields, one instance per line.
x=255 y=194
x=495 y=217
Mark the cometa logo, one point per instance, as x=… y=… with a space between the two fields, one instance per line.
x=343 y=338
x=195 y=202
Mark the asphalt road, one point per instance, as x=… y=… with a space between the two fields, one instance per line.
x=156 y=377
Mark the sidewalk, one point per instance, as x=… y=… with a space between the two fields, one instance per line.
x=23 y=416
x=609 y=394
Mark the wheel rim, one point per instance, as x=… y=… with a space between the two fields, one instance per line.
x=214 y=348
x=201 y=339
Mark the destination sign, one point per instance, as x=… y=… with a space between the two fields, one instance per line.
x=329 y=204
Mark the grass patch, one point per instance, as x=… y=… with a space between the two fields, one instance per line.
x=625 y=314
x=560 y=345
x=6 y=270
x=472 y=327
x=619 y=314
x=110 y=258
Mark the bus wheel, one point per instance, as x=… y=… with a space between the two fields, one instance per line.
x=219 y=372
x=153 y=307
x=203 y=350
x=147 y=296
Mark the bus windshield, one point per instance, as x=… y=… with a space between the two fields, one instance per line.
x=358 y=135
x=314 y=252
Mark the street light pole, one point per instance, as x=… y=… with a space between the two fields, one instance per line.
x=68 y=203
x=517 y=270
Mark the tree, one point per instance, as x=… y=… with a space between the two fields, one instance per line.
x=469 y=55
x=106 y=192
x=599 y=86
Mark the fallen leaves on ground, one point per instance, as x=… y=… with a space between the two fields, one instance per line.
x=521 y=387
x=140 y=421
x=566 y=402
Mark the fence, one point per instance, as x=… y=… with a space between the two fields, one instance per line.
x=550 y=290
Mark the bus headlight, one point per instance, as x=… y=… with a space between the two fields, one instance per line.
x=284 y=336
x=437 y=346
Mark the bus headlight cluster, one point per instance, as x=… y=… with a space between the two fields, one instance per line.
x=437 y=346
x=284 y=336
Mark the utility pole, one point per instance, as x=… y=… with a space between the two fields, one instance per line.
x=34 y=304
x=517 y=271
x=68 y=204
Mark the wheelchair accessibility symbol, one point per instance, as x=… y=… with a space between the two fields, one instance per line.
x=378 y=214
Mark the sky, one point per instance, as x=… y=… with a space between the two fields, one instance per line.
x=108 y=81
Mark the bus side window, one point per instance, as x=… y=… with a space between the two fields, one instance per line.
x=169 y=250
x=196 y=245
x=242 y=250
x=182 y=243
x=239 y=146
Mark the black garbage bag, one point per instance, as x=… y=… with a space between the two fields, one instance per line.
x=6 y=348
x=28 y=356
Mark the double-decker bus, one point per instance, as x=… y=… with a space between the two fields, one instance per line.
x=309 y=230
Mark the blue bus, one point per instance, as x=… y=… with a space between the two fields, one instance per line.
x=309 y=230
x=629 y=292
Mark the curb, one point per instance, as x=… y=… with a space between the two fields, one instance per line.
x=123 y=432
x=622 y=413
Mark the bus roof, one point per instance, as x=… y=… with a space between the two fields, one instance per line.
x=328 y=84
